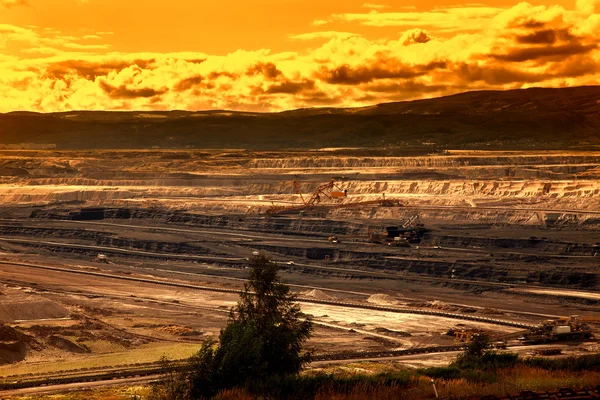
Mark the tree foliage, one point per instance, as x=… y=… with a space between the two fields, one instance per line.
x=479 y=356
x=262 y=340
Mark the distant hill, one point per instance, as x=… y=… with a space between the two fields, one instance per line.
x=517 y=119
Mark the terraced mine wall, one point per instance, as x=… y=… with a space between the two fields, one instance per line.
x=552 y=189
x=539 y=254
x=522 y=218
x=346 y=223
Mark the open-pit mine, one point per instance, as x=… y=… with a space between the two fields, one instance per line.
x=111 y=259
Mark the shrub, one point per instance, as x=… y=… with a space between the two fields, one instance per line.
x=588 y=362
x=451 y=372
x=261 y=343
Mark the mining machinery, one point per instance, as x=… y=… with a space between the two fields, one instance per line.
x=409 y=232
x=333 y=193
x=464 y=336
x=568 y=328
x=327 y=190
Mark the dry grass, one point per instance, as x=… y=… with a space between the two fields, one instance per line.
x=515 y=380
x=509 y=381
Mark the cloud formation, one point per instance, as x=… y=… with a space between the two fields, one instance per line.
x=437 y=52
x=12 y=3
x=323 y=35
x=124 y=92
x=448 y=19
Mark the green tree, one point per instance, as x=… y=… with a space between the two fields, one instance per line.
x=262 y=340
x=480 y=356
x=479 y=345
x=172 y=385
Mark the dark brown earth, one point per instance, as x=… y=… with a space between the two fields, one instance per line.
x=565 y=118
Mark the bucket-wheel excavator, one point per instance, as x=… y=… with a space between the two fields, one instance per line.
x=327 y=191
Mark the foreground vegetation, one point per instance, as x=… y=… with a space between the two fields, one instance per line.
x=497 y=374
x=360 y=387
x=525 y=374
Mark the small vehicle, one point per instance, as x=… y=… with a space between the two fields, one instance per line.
x=290 y=263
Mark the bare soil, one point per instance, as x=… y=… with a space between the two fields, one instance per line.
x=505 y=235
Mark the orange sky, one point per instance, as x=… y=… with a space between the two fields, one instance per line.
x=269 y=55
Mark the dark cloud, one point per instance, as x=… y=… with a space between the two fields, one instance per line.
x=21 y=84
x=320 y=98
x=383 y=69
x=369 y=98
x=415 y=36
x=188 y=83
x=495 y=74
x=257 y=90
x=409 y=86
x=122 y=92
x=546 y=36
x=268 y=70
x=492 y=74
x=575 y=67
x=13 y=3
x=289 y=87
x=286 y=87
x=526 y=22
x=533 y=24
x=535 y=53
x=214 y=75
x=196 y=61
x=90 y=70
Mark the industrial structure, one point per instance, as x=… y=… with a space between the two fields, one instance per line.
x=410 y=232
x=326 y=190
x=571 y=328
x=568 y=328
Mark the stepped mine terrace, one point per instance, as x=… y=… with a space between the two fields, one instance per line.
x=111 y=259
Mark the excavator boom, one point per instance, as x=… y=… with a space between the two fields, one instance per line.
x=297 y=186
x=330 y=191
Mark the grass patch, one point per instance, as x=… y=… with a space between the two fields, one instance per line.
x=144 y=354
x=391 y=383
x=103 y=346
x=414 y=386
x=588 y=362
x=116 y=393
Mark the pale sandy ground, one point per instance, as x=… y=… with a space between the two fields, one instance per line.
x=423 y=328
x=557 y=292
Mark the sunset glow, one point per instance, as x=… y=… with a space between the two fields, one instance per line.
x=271 y=55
